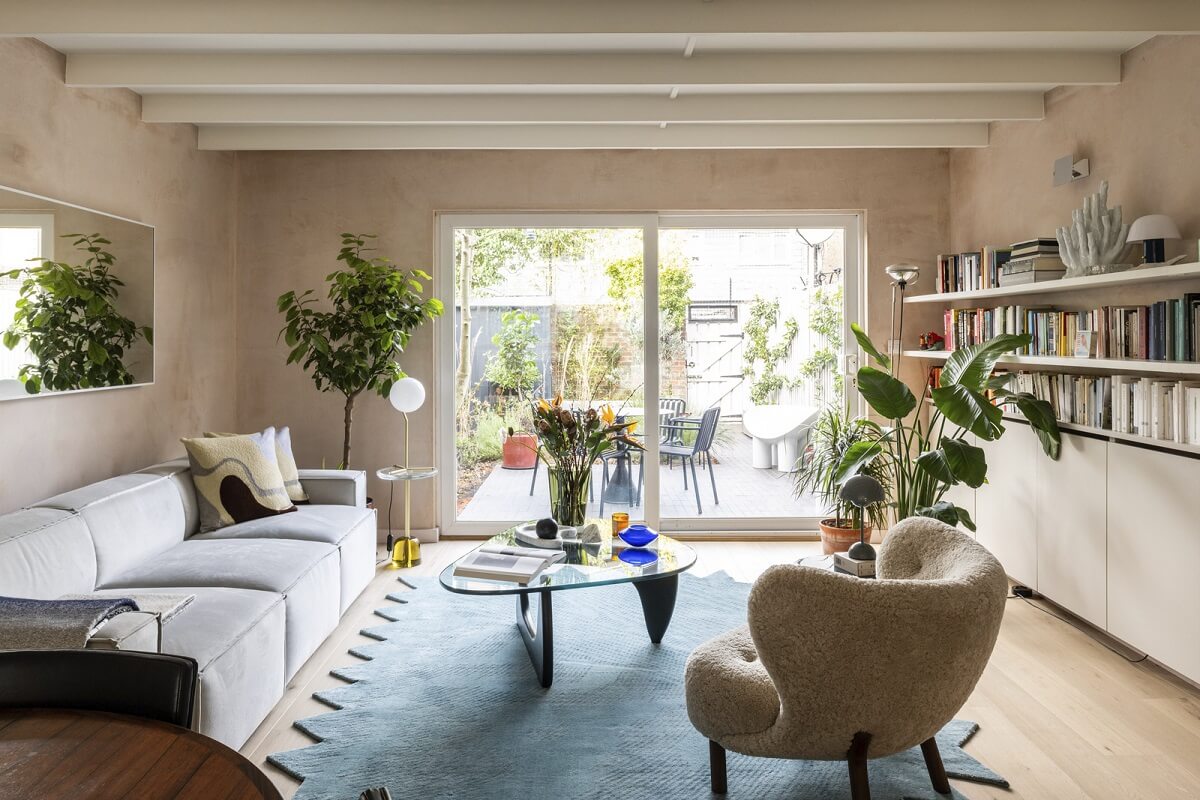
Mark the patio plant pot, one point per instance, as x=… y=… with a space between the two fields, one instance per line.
x=519 y=451
x=836 y=539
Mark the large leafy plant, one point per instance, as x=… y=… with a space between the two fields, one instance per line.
x=819 y=471
x=66 y=314
x=928 y=456
x=513 y=366
x=352 y=348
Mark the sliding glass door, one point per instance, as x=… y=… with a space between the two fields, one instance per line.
x=721 y=335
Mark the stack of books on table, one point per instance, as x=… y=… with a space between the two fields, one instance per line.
x=1033 y=261
x=503 y=563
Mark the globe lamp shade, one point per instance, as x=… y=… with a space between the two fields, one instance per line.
x=407 y=395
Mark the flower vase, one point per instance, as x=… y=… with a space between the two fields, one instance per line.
x=569 y=496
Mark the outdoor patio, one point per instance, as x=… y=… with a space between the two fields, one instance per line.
x=744 y=492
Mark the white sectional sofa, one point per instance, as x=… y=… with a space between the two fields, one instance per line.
x=267 y=592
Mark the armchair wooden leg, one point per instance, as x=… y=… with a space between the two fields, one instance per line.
x=933 y=762
x=716 y=767
x=860 y=786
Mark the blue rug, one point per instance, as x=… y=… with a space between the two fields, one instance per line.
x=448 y=708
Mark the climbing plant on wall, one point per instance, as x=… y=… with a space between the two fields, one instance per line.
x=762 y=357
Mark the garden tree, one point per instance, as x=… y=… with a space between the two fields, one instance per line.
x=626 y=281
x=353 y=347
x=481 y=254
x=512 y=367
x=66 y=316
x=764 y=316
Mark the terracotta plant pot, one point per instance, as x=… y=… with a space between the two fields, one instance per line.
x=838 y=540
x=520 y=451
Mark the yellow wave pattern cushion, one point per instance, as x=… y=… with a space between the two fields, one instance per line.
x=237 y=479
x=285 y=460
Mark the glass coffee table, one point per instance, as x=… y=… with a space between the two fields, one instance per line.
x=587 y=564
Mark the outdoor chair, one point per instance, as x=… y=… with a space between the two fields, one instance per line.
x=700 y=449
x=669 y=410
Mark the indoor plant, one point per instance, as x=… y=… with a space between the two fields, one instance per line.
x=67 y=317
x=353 y=347
x=571 y=441
x=819 y=473
x=926 y=457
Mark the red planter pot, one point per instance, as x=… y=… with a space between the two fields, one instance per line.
x=520 y=451
x=838 y=540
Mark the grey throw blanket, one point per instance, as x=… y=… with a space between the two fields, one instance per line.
x=55 y=624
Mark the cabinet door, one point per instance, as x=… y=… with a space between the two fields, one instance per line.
x=1153 y=554
x=1005 y=506
x=1071 y=541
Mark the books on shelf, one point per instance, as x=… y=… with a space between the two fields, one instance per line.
x=965 y=272
x=1154 y=408
x=1035 y=247
x=500 y=563
x=1168 y=330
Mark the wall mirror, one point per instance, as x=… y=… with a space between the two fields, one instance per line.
x=76 y=298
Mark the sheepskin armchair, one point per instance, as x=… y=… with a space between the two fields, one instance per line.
x=834 y=667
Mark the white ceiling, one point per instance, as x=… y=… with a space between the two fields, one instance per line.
x=364 y=74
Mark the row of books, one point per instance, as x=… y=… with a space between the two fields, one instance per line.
x=1156 y=408
x=1024 y=262
x=1168 y=330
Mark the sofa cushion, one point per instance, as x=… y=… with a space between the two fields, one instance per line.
x=305 y=573
x=45 y=553
x=237 y=639
x=237 y=478
x=284 y=459
x=351 y=529
x=131 y=518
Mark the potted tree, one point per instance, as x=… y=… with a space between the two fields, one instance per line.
x=352 y=348
x=820 y=473
x=513 y=370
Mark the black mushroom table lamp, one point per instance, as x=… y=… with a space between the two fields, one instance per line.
x=860 y=492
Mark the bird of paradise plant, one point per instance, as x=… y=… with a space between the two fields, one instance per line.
x=570 y=442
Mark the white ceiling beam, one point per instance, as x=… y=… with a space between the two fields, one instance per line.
x=542 y=109
x=30 y=18
x=509 y=137
x=840 y=68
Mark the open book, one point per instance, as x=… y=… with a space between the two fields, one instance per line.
x=509 y=564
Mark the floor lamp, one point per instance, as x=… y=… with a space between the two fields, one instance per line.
x=902 y=275
x=406 y=396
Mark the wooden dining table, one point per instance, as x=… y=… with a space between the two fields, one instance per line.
x=47 y=754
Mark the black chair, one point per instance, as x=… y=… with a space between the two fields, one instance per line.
x=149 y=685
x=698 y=450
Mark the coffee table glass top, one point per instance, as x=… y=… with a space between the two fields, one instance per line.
x=586 y=564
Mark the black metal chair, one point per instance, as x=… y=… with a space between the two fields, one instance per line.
x=149 y=685
x=699 y=450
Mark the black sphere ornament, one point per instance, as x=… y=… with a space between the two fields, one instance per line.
x=547 y=529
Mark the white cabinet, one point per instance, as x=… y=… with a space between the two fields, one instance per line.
x=1071 y=547
x=1005 y=507
x=1154 y=553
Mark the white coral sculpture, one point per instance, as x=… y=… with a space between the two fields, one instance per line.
x=1096 y=237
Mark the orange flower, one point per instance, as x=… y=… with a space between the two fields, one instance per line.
x=608 y=415
x=557 y=400
x=632 y=427
x=543 y=405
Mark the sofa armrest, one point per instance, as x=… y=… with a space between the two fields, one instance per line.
x=335 y=487
x=133 y=630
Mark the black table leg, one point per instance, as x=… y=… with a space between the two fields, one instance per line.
x=658 y=604
x=537 y=631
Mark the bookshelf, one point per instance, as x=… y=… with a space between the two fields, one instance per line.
x=1175 y=272
x=1106 y=364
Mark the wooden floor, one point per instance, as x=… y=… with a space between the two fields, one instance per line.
x=1061 y=716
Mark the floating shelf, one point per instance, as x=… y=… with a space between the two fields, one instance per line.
x=1175 y=272
x=1106 y=364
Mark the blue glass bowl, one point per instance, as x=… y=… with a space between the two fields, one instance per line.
x=638 y=535
x=638 y=557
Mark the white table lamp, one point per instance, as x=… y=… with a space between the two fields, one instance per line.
x=1151 y=230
